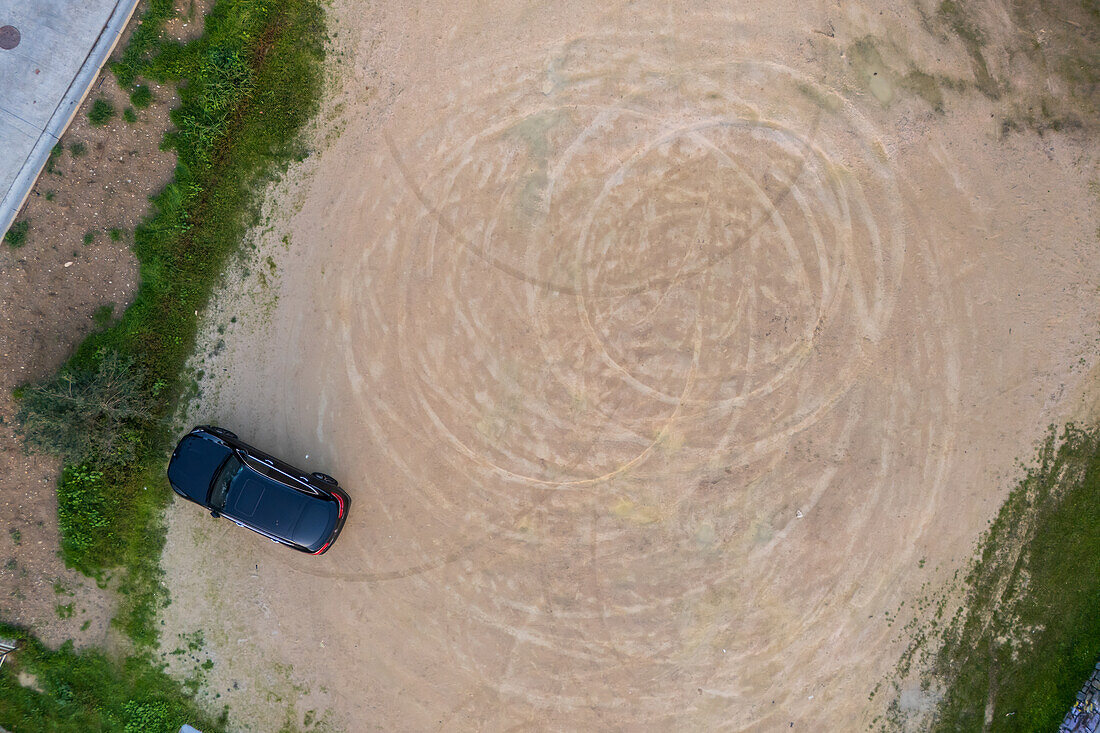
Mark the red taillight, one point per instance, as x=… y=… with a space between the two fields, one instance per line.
x=322 y=549
x=341 y=500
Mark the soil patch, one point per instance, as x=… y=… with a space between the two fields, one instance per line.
x=75 y=270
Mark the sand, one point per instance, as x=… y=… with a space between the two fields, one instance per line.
x=670 y=352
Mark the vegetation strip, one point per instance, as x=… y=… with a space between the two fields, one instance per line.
x=85 y=691
x=1030 y=635
x=247 y=86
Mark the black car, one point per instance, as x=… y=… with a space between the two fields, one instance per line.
x=214 y=469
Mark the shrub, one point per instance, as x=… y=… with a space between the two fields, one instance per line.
x=101 y=112
x=16 y=235
x=86 y=415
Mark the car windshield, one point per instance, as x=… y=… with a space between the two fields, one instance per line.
x=219 y=490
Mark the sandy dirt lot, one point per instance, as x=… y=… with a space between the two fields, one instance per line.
x=669 y=352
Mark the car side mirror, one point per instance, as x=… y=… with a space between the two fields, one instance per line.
x=214 y=514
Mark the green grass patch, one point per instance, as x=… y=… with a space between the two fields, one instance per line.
x=129 y=115
x=78 y=149
x=1031 y=632
x=247 y=87
x=101 y=112
x=142 y=96
x=102 y=315
x=16 y=236
x=89 y=237
x=90 y=691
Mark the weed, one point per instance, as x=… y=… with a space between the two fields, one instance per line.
x=115 y=234
x=141 y=97
x=50 y=195
x=11 y=565
x=89 y=691
x=89 y=237
x=16 y=236
x=129 y=115
x=51 y=161
x=101 y=112
x=86 y=514
x=195 y=641
x=78 y=149
x=65 y=611
x=16 y=536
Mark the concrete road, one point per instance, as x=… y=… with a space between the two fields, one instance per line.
x=50 y=53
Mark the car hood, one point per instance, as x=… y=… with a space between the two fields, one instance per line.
x=279 y=510
x=194 y=463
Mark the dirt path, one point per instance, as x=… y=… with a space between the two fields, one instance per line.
x=667 y=354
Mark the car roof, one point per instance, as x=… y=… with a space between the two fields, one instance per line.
x=276 y=509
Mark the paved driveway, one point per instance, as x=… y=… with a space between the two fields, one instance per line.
x=50 y=53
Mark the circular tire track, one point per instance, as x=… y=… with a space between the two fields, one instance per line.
x=642 y=318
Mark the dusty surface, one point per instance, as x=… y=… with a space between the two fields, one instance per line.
x=666 y=352
x=50 y=289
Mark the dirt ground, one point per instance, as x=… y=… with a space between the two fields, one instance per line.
x=669 y=351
